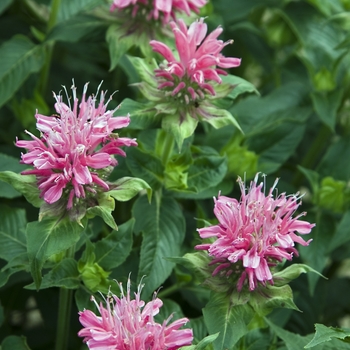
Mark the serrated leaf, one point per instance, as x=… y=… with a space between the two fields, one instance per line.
x=64 y=275
x=46 y=238
x=24 y=184
x=128 y=187
x=70 y=8
x=113 y=250
x=325 y=334
x=221 y=315
x=19 y=58
x=12 y=232
x=163 y=227
x=74 y=29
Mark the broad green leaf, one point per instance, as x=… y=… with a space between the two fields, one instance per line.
x=19 y=58
x=128 y=187
x=145 y=166
x=241 y=86
x=14 y=342
x=220 y=118
x=12 y=232
x=141 y=116
x=341 y=235
x=312 y=176
x=69 y=8
x=76 y=28
x=64 y=275
x=327 y=105
x=5 y=275
x=24 y=184
x=118 y=44
x=230 y=320
x=4 y=4
x=208 y=168
x=145 y=68
x=112 y=250
x=83 y=299
x=325 y=334
x=163 y=227
x=46 y=238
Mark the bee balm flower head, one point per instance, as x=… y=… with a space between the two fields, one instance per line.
x=190 y=77
x=129 y=324
x=74 y=153
x=254 y=234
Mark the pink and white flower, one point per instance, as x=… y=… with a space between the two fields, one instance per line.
x=74 y=153
x=128 y=324
x=158 y=9
x=254 y=234
x=200 y=63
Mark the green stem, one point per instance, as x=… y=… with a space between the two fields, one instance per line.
x=49 y=47
x=171 y=290
x=311 y=156
x=64 y=311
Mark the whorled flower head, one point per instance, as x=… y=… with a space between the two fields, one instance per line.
x=189 y=78
x=128 y=324
x=254 y=234
x=74 y=153
x=157 y=9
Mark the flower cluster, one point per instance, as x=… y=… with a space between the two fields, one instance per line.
x=254 y=234
x=128 y=324
x=75 y=151
x=157 y=9
x=200 y=62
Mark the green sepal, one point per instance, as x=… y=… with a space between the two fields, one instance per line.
x=240 y=85
x=145 y=68
x=24 y=184
x=104 y=210
x=179 y=129
x=128 y=187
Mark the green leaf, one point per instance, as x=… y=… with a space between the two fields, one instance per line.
x=325 y=334
x=19 y=58
x=69 y=8
x=13 y=342
x=128 y=187
x=341 y=235
x=4 y=4
x=12 y=232
x=24 y=184
x=208 y=168
x=113 y=250
x=222 y=315
x=46 y=238
x=74 y=29
x=163 y=227
x=327 y=105
x=241 y=86
x=10 y=164
x=118 y=44
x=220 y=118
x=64 y=275
x=145 y=68
x=144 y=165
x=179 y=129
x=104 y=210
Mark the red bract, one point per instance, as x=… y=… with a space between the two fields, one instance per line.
x=200 y=61
x=158 y=9
x=75 y=151
x=127 y=324
x=254 y=234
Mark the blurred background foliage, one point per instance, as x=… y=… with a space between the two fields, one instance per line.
x=297 y=128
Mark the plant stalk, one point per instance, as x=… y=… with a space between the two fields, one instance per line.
x=64 y=312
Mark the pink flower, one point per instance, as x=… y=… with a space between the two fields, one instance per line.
x=254 y=234
x=157 y=9
x=74 y=153
x=200 y=62
x=127 y=324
